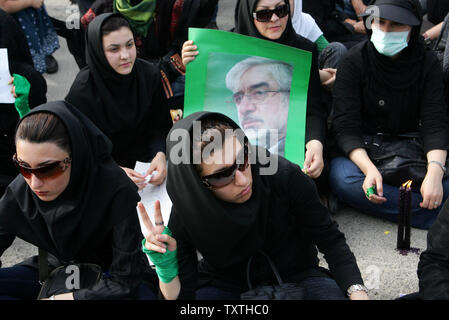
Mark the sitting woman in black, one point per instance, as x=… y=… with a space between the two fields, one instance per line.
x=73 y=201
x=123 y=97
x=387 y=89
x=21 y=63
x=228 y=206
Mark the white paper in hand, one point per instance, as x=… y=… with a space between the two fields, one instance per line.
x=5 y=89
x=149 y=195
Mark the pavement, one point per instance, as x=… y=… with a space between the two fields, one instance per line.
x=386 y=272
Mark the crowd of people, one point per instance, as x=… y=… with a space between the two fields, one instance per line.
x=376 y=115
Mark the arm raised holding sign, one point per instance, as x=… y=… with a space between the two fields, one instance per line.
x=161 y=247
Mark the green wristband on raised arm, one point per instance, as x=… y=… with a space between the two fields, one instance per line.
x=166 y=263
x=23 y=88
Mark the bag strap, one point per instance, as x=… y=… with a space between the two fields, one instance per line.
x=43 y=265
x=273 y=268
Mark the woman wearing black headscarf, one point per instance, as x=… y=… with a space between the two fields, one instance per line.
x=280 y=30
x=123 y=96
x=390 y=86
x=73 y=201
x=21 y=63
x=230 y=212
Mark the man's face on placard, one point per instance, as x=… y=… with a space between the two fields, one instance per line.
x=260 y=102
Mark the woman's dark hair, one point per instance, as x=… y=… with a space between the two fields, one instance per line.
x=113 y=24
x=44 y=127
x=209 y=126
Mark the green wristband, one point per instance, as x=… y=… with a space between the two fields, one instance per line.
x=22 y=91
x=166 y=263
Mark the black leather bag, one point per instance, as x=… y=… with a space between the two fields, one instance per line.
x=399 y=158
x=62 y=279
x=280 y=291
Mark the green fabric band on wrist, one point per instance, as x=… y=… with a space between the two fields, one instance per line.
x=166 y=263
x=22 y=91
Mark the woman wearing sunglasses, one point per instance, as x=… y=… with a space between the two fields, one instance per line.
x=73 y=201
x=227 y=211
x=271 y=20
x=123 y=96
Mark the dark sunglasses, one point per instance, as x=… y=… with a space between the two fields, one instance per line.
x=225 y=177
x=266 y=14
x=48 y=171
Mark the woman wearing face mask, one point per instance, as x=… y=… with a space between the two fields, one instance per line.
x=393 y=86
x=228 y=207
x=122 y=95
x=271 y=20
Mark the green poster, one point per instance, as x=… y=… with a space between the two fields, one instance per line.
x=260 y=84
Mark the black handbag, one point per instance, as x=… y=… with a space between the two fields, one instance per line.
x=62 y=279
x=280 y=291
x=398 y=158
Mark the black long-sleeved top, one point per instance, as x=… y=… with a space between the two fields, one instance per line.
x=433 y=266
x=316 y=117
x=365 y=106
x=116 y=251
x=298 y=223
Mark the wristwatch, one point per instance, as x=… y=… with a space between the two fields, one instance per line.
x=354 y=288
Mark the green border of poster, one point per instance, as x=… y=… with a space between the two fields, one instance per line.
x=211 y=41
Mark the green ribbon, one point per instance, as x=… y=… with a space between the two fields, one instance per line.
x=22 y=91
x=139 y=16
x=166 y=263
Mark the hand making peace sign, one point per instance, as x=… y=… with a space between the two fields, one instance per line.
x=155 y=240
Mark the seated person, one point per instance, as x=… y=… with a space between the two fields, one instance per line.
x=73 y=201
x=122 y=95
x=433 y=267
x=228 y=206
x=329 y=54
x=389 y=89
x=354 y=8
x=20 y=63
x=335 y=24
x=40 y=33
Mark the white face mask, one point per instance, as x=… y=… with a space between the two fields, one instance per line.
x=389 y=43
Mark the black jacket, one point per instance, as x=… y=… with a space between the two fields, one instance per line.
x=433 y=266
x=296 y=225
x=365 y=106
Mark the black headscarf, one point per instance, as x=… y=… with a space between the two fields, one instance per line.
x=130 y=109
x=405 y=71
x=82 y=212
x=118 y=103
x=244 y=23
x=225 y=233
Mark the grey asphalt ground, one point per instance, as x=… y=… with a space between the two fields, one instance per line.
x=386 y=272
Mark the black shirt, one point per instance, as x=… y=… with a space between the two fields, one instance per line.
x=363 y=105
x=297 y=223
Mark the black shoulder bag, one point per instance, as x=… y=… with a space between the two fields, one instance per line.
x=279 y=291
x=398 y=158
x=66 y=278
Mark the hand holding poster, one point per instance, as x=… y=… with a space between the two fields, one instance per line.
x=259 y=84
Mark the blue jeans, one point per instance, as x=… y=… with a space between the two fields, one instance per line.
x=346 y=180
x=318 y=288
x=331 y=56
x=349 y=10
x=19 y=283
x=22 y=283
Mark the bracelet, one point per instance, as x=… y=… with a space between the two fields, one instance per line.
x=439 y=164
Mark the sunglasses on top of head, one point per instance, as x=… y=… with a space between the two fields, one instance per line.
x=48 y=171
x=266 y=14
x=223 y=178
